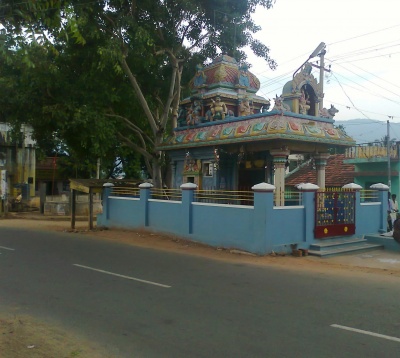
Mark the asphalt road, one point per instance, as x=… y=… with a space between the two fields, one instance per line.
x=139 y=302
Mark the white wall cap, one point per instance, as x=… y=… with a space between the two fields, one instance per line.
x=145 y=186
x=263 y=187
x=307 y=186
x=379 y=186
x=352 y=186
x=189 y=186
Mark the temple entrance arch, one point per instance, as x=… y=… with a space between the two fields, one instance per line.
x=308 y=100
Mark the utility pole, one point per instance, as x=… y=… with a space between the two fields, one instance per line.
x=321 y=75
x=322 y=69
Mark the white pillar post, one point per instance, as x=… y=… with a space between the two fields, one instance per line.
x=279 y=159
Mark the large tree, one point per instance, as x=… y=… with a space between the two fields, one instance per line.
x=148 y=44
x=61 y=95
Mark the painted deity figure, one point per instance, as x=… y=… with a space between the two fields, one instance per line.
x=280 y=105
x=244 y=76
x=193 y=116
x=328 y=113
x=218 y=109
x=181 y=116
x=304 y=103
x=306 y=70
x=245 y=107
x=200 y=78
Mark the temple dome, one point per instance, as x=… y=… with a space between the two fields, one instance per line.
x=288 y=88
x=224 y=71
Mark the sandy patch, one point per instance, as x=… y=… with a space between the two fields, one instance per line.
x=25 y=337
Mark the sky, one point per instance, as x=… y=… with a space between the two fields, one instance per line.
x=362 y=47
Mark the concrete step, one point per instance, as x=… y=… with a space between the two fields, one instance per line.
x=339 y=246
x=336 y=243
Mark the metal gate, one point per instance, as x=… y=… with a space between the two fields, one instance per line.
x=334 y=214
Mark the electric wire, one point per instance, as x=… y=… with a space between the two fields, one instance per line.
x=340 y=59
x=366 y=34
x=349 y=97
x=378 y=77
x=367 y=89
x=360 y=52
x=335 y=60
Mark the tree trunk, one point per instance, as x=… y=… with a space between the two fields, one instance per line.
x=157 y=175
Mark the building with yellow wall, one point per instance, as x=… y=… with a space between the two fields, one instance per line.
x=17 y=162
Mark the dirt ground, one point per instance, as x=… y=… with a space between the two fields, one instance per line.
x=24 y=336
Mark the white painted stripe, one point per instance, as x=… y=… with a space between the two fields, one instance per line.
x=166 y=201
x=224 y=205
x=123 y=198
x=123 y=276
x=6 y=248
x=366 y=332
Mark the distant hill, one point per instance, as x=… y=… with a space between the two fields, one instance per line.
x=369 y=130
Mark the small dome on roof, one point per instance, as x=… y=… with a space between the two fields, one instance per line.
x=224 y=71
x=288 y=87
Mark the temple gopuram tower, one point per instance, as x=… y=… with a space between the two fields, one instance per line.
x=228 y=138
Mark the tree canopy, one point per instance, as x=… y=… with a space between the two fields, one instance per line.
x=100 y=73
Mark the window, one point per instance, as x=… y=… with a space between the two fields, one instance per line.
x=208 y=169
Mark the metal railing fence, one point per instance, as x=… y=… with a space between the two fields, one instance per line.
x=230 y=197
x=227 y=197
x=292 y=198
x=166 y=194
x=368 y=196
x=127 y=191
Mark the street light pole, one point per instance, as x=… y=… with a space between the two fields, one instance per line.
x=316 y=52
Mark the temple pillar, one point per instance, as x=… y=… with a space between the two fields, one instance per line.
x=320 y=163
x=317 y=109
x=295 y=103
x=279 y=160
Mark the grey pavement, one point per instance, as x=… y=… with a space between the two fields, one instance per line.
x=378 y=259
x=132 y=301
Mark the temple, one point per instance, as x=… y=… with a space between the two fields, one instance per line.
x=227 y=137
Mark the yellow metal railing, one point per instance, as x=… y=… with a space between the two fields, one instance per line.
x=166 y=194
x=371 y=151
x=291 y=197
x=369 y=196
x=231 y=197
x=125 y=191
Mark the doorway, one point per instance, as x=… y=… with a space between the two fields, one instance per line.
x=249 y=177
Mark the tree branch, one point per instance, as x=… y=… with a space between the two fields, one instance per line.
x=135 y=128
x=134 y=146
x=146 y=156
x=140 y=95
x=172 y=94
x=198 y=41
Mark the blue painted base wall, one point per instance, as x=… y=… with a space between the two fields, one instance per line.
x=259 y=229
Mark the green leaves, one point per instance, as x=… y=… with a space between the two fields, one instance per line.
x=98 y=75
